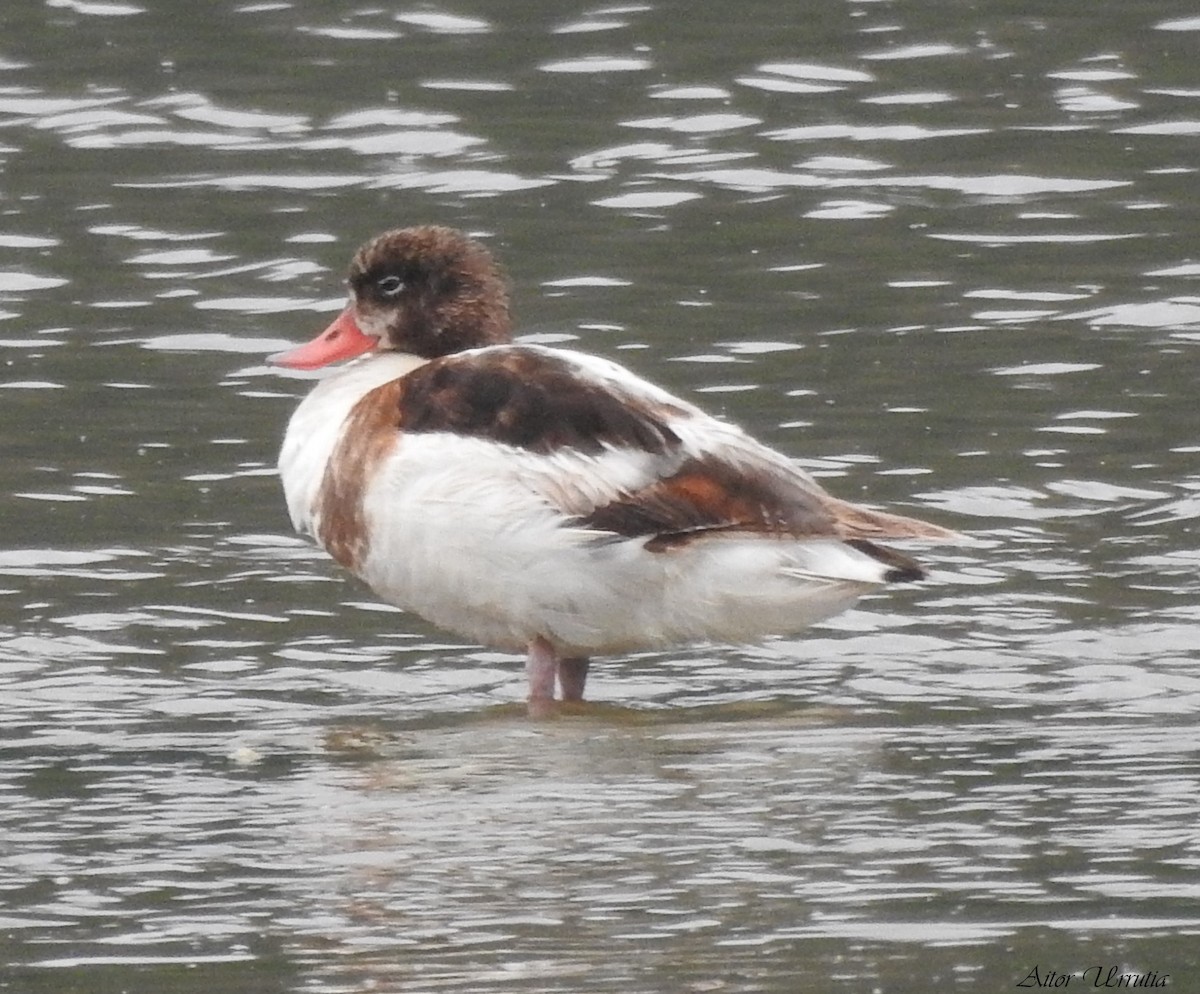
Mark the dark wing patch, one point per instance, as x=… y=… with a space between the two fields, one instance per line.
x=707 y=495
x=901 y=568
x=531 y=400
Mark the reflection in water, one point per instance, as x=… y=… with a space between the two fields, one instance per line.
x=712 y=842
x=948 y=255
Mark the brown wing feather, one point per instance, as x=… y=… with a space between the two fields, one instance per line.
x=705 y=495
x=855 y=521
x=530 y=399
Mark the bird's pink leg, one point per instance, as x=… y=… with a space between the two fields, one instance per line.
x=541 y=667
x=572 y=677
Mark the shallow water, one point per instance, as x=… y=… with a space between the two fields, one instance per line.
x=943 y=254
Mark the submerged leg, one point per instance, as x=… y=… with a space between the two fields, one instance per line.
x=572 y=676
x=541 y=666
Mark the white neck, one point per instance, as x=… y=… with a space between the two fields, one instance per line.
x=316 y=426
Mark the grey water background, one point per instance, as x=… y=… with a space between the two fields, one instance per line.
x=946 y=254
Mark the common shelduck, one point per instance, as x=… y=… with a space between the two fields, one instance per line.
x=545 y=500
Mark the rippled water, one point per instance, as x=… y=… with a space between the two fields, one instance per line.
x=944 y=254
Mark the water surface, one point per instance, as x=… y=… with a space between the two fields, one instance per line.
x=943 y=254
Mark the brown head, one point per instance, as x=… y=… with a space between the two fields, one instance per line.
x=428 y=291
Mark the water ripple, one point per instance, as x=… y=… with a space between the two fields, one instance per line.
x=948 y=264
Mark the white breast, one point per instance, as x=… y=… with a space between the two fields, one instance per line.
x=316 y=426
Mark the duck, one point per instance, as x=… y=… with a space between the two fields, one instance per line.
x=547 y=501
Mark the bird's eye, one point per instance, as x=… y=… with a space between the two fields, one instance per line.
x=389 y=286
